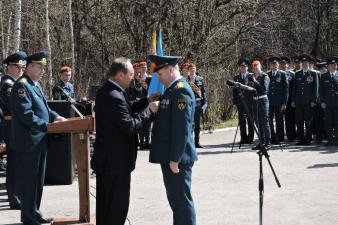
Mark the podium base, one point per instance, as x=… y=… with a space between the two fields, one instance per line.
x=72 y=221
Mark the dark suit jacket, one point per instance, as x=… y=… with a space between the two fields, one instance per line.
x=117 y=124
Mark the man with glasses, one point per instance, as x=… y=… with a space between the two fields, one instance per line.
x=15 y=65
x=65 y=75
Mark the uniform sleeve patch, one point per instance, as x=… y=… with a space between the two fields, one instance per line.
x=182 y=104
x=180 y=84
x=22 y=92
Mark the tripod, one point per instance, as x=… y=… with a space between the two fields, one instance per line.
x=262 y=152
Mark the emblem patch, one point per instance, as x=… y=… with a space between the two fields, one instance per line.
x=180 y=84
x=22 y=92
x=181 y=103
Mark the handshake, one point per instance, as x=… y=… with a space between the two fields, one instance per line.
x=153 y=102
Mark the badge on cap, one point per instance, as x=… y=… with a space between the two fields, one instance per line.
x=22 y=92
x=181 y=103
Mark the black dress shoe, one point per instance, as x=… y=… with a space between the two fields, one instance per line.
x=45 y=220
x=329 y=143
x=198 y=145
x=300 y=143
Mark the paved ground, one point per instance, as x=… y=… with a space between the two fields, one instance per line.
x=225 y=188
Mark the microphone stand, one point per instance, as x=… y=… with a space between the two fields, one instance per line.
x=262 y=152
x=71 y=101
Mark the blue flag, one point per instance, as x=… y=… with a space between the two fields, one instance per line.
x=155 y=84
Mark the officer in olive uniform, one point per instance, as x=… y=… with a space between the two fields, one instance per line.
x=261 y=81
x=15 y=64
x=278 y=96
x=247 y=135
x=304 y=95
x=64 y=84
x=30 y=116
x=201 y=102
x=329 y=100
x=172 y=143
x=290 y=121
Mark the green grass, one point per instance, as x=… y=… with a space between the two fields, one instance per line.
x=224 y=124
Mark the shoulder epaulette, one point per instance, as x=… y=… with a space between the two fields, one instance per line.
x=23 y=80
x=9 y=82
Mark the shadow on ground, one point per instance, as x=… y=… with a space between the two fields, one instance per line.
x=325 y=165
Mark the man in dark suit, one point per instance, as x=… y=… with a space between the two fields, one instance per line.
x=304 y=95
x=172 y=143
x=15 y=65
x=247 y=135
x=31 y=115
x=278 y=96
x=117 y=124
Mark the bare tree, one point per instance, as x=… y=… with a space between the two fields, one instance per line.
x=50 y=68
x=17 y=25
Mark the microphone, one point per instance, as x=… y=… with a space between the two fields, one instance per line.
x=235 y=84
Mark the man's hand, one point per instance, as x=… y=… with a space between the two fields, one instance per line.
x=154 y=97
x=154 y=106
x=174 y=167
x=293 y=104
x=313 y=104
x=283 y=108
x=59 y=119
x=323 y=105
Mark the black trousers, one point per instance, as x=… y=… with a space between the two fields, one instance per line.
x=275 y=112
x=112 y=198
x=32 y=175
x=331 y=124
x=290 y=122
x=12 y=177
x=318 y=122
x=197 y=123
x=246 y=128
x=304 y=115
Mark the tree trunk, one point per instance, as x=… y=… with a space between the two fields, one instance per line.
x=17 y=25
x=72 y=37
x=50 y=68
x=2 y=33
x=8 y=33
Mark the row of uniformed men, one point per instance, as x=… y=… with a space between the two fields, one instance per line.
x=26 y=115
x=304 y=96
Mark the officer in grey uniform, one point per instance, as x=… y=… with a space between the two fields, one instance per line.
x=247 y=135
x=304 y=95
x=329 y=100
x=278 y=95
x=290 y=122
x=15 y=64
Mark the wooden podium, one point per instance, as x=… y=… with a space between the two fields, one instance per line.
x=80 y=128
